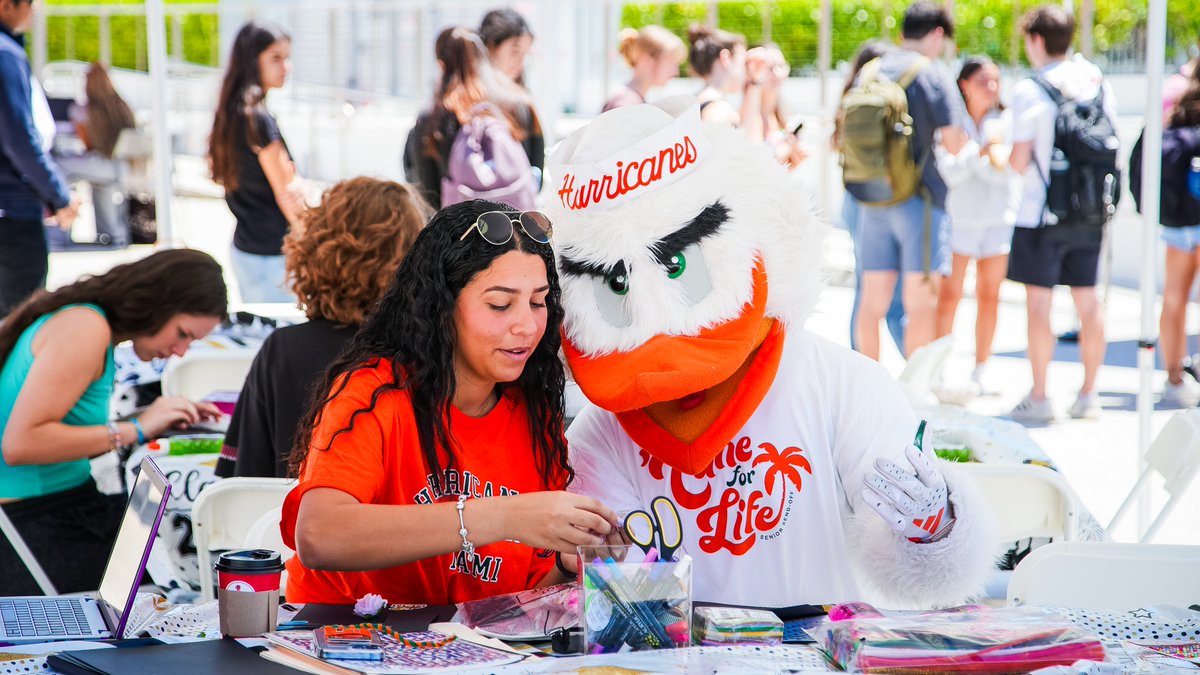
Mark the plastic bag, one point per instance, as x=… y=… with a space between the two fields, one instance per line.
x=1008 y=640
x=527 y=615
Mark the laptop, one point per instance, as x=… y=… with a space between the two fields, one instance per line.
x=41 y=619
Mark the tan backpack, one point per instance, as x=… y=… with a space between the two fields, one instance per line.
x=875 y=135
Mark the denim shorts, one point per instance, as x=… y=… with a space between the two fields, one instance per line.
x=1184 y=239
x=892 y=238
x=261 y=278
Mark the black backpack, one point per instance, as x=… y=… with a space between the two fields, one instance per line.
x=1177 y=206
x=1084 y=185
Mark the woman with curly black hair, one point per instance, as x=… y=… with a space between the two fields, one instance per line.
x=432 y=461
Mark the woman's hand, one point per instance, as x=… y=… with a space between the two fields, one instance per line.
x=558 y=521
x=174 y=412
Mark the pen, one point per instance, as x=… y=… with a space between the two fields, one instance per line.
x=295 y=625
x=619 y=582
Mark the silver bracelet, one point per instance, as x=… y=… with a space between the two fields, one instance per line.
x=467 y=547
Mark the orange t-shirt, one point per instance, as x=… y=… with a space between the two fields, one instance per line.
x=379 y=461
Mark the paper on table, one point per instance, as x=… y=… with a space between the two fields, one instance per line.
x=464 y=632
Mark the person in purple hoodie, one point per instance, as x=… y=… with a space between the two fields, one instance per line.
x=29 y=181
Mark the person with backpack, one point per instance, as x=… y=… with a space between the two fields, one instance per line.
x=481 y=139
x=1179 y=213
x=1064 y=148
x=889 y=168
x=851 y=211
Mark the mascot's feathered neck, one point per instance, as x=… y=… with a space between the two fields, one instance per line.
x=683 y=397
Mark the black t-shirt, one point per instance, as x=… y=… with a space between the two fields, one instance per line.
x=260 y=223
x=276 y=395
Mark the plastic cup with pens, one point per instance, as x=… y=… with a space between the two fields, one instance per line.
x=638 y=596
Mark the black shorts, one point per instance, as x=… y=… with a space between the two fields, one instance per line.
x=69 y=532
x=1059 y=254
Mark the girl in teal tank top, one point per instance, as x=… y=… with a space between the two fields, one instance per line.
x=34 y=480
x=55 y=384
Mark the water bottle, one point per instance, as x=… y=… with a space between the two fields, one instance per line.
x=1194 y=178
x=1058 y=192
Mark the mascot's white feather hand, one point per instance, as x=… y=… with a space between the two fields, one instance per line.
x=915 y=506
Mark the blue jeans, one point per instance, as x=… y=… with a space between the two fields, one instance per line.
x=851 y=214
x=260 y=277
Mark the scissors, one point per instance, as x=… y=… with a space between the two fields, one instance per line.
x=659 y=528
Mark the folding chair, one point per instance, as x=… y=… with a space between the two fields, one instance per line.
x=923 y=370
x=1026 y=500
x=1107 y=575
x=201 y=373
x=1174 y=455
x=228 y=512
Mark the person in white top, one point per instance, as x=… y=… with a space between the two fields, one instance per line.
x=1042 y=257
x=982 y=204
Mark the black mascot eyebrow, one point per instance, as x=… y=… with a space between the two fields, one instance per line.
x=705 y=224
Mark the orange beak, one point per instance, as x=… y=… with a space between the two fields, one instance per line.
x=669 y=367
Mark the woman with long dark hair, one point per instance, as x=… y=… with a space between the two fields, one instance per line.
x=982 y=201
x=467 y=80
x=57 y=378
x=435 y=443
x=250 y=159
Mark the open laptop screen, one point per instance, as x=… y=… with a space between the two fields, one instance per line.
x=135 y=538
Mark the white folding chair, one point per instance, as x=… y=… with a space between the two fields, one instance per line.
x=923 y=370
x=200 y=373
x=1026 y=500
x=228 y=512
x=1174 y=455
x=1107 y=575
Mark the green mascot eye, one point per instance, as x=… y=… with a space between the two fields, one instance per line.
x=617 y=282
x=675 y=265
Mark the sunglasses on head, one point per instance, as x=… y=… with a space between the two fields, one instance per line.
x=496 y=227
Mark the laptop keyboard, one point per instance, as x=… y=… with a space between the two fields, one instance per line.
x=34 y=617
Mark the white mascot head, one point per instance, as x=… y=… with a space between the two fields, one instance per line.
x=681 y=247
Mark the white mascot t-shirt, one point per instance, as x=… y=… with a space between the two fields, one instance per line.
x=766 y=524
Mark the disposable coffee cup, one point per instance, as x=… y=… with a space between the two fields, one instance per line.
x=248 y=591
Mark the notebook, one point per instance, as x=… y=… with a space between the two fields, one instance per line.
x=210 y=657
x=105 y=615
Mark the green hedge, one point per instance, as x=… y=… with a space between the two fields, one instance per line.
x=984 y=26
x=78 y=37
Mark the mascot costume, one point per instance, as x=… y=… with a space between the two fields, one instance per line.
x=688 y=264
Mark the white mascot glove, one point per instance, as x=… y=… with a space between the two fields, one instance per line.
x=916 y=507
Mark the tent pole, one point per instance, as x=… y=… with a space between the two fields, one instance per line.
x=156 y=39
x=1151 y=176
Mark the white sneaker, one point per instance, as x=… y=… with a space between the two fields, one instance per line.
x=1182 y=395
x=1085 y=406
x=977 y=381
x=1033 y=411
